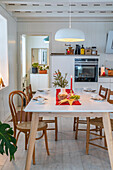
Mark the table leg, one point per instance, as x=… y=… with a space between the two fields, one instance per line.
x=34 y=126
x=108 y=133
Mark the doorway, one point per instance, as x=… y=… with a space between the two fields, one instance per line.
x=34 y=49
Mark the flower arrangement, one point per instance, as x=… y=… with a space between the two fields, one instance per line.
x=44 y=67
x=60 y=80
x=35 y=65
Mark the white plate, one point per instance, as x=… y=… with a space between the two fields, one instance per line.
x=97 y=97
x=36 y=98
x=43 y=91
x=40 y=103
x=89 y=90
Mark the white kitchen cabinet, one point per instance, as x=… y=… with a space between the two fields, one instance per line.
x=38 y=81
x=65 y=64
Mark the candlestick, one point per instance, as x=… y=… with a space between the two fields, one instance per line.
x=71 y=82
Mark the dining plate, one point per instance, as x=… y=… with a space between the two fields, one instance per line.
x=40 y=103
x=89 y=90
x=36 y=98
x=43 y=91
x=97 y=97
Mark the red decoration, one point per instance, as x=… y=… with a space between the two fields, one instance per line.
x=66 y=103
x=103 y=73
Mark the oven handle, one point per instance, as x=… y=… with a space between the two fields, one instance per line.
x=86 y=64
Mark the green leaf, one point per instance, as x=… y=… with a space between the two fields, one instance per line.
x=7 y=141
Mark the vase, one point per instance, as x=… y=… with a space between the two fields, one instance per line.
x=63 y=91
x=34 y=70
x=63 y=94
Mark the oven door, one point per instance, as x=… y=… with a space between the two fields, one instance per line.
x=86 y=73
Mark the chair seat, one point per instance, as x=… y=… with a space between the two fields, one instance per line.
x=26 y=126
x=98 y=122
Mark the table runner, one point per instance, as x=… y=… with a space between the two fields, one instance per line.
x=66 y=103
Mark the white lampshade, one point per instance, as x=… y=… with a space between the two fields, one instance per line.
x=69 y=35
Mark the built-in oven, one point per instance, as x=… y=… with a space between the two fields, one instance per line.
x=86 y=70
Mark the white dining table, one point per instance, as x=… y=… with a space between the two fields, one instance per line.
x=88 y=108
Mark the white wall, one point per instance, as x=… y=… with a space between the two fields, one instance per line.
x=12 y=59
x=95 y=32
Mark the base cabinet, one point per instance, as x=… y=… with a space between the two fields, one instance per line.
x=38 y=81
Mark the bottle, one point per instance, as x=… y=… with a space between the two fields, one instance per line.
x=82 y=51
x=77 y=50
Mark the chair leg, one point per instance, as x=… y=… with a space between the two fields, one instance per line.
x=87 y=135
x=96 y=128
x=46 y=142
x=100 y=133
x=105 y=143
x=56 y=128
x=26 y=141
x=34 y=156
x=17 y=137
x=74 y=123
x=14 y=132
x=76 y=133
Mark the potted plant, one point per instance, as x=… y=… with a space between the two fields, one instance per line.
x=35 y=68
x=7 y=141
x=60 y=81
x=43 y=69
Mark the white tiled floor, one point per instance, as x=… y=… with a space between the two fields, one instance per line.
x=65 y=154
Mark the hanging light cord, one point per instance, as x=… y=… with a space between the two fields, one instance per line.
x=69 y=14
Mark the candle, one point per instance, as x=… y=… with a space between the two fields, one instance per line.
x=71 y=82
x=103 y=73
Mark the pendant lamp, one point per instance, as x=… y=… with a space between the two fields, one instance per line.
x=46 y=40
x=69 y=34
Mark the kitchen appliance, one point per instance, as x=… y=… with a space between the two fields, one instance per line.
x=86 y=70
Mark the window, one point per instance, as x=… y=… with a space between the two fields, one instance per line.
x=4 y=51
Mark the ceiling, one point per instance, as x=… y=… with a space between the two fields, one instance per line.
x=58 y=8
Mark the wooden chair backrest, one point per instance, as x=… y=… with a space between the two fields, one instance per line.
x=105 y=92
x=110 y=93
x=13 y=108
x=29 y=92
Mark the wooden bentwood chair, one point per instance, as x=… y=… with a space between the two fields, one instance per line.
x=103 y=93
x=26 y=125
x=30 y=95
x=98 y=122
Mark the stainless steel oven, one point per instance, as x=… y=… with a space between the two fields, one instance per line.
x=86 y=70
